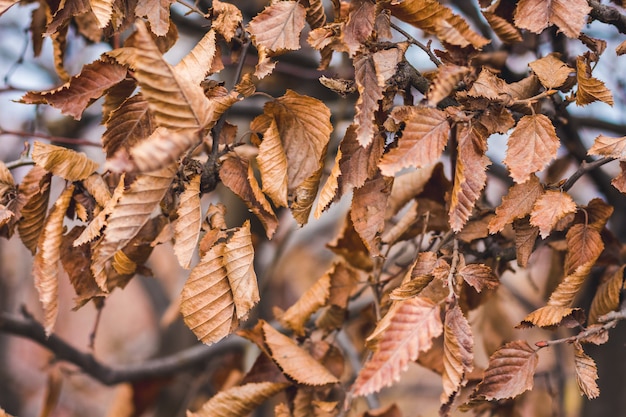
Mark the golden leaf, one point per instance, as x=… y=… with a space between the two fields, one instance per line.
x=607 y=297
x=128 y=124
x=238 y=401
x=273 y=166
x=607 y=146
x=73 y=97
x=158 y=14
x=590 y=89
x=226 y=19
x=176 y=101
x=102 y=10
x=510 y=372
x=278 y=27
x=586 y=372
x=531 y=146
x=552 y=72
x=188 y=224
x=63 y=162
x=410 y=329
x=368 y=210
x=238 y=260
x=424 y=138
x=549 y=208
x=297 y=363
x=536 y=15
x=46 y=264
x=516 y=204
x=458 y=352
x=553 y=315
x=35 y=192
x=129 y=215
x=584 y=246
x=505 y=30
x=196 y=65
x=446 y=81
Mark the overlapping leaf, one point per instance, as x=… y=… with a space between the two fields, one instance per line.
x=458 y=352
x=586 y=373
x=188 y=224
x=158 y=14
x=128 y=124
x=278 y=27
x=63 y=162
x=368 y=210
x=479 y=276
x=552 y=72
x=608 y=146
x=238 y=401
x=359 y=26
x=273 y=166
x=370 y=92
x=549 y=208
x=226 y=19
x=590 y=89
x=448 y=77
x=516 y=204
x=568 y=15
x=34 y=195
x=607 y=296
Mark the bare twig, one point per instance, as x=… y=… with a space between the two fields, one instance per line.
x=417 y=43
x=108 y=375
x=59 y=139
x=607 y=14
x=583 y=169
x=607 y=322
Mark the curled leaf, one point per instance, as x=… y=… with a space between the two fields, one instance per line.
x=238 y=401
x=63 y=162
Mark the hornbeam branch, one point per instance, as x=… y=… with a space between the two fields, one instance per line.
x=607 y=14
x=108 y=375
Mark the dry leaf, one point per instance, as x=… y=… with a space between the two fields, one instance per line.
x=553 y=315
x=516 y=204
x=238 y=260
x=370 y=92
x=226 y=19
x=63 y=162
x=128 y=124
x=479 y=276
x=584 y=246
x=536 y=15
x=189 y=221
x=35 y=193
x=273 y=166
x=238 y=401
x=525 y=238
x=158 y=14
x=590 y=89
x=278 y=27
x=446 y=82
x=586 y=373
x=549 y=208
x=358 y=28
x=458 y=353
x=552 y=72
x=196 y=65
x=608 y=296
x=368 y=210
x=506 y=31
x=608 y=146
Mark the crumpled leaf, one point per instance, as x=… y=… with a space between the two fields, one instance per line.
x=359 y=26
x=552 y=72
x=424 y=138
x=370 y=92
x=549 y=208
x=586 y=372
x=531 y=146
x=368 y=210
x=510 y=372
x=63 y=162
x=516 y=204
x=410 y=329
x=189 y=222
x=158 y=14
x=458 y=353
x=506 y=31
x=278 y=27
x=226 y=19
x=590 y=89
x=448 y=77
x=46 y=263
x=238 y=401
x=73 y=97
x=297 y=363
x=536 y=15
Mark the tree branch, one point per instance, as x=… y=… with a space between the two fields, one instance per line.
x=109 y=375
x=607 y=14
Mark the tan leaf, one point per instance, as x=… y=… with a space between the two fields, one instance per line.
x=446 y=81
x=130 y=214
x=516 y=204
x=63 y=162
x=549 y=208
x=315 y=14
x=175 y=101
x=297 y=363
x=506 y=31
x=607 y=297
x=412 y=326
x=525 y=238
x=584 y=246
x=552 y=72
x=102 y=10
x=479 y=276
x=531 y=146
x=188 y=223
x=608 y=146
x=158 y=14
x=358 y=163
x=586 y=372
x=368 y=210
x=359 y=26
x=424 y=137
x=331 y=189
x=4 y=6
x=370 y=92
x=238 y=401
x=488 y=85
x=196 y=65
x=278 y=27
x=273 y=166
x=162 y=148
x=238 y=260
x=80 y=91
x=265 y=66
x=46 y=263
x=565 y=294
x=6 y=180
x=536 y=15
x=405 y=222
x=35 y=192
x=226 y=19
x=315 y=297
x=553 y=315
x=406 y=187
x=510 y=372
x=458 y=353
x=470 y=176
x=127 y=125
x=621 y=49
x=619 y=182
x=236 y=174
x=590 y=89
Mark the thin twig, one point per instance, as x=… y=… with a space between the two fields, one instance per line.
x=19 y=163
x=608 y=14
x=417 y=43
x=191 y=7
x=59 y=139
x=583 y=169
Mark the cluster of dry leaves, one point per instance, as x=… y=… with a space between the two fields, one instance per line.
x=167 y=143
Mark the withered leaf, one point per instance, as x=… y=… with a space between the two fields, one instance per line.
x=586 y=372
x=607 y=297
x=448 y=77
x=297 y=363
x=238 y=260
x=510 y=372
x=370 y=92
x=553 y=315
x=63 y=162
x=458 y=352
x=273 y=166
x=517 y=203
x=189 y=221
x=525 y=238
x=552 y=72
x=359 y=26
x=238 y=401
x=608 y=146
x=226 y=19
x=584 y=246
x=506 y=31
x=34 y=195
x=549 y=208
x=531 y=146
x=46 y=264
x=410 y=329
x=479 y=276
x=568 y=15
x=590 y=89
x=368 y=210
x=158 y=14
x=424 y=137
x=406 y=187
x=278 y=27
x=128 y=124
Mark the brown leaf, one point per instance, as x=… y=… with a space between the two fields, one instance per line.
x=549 y=208
x=127 y=125
x=619 y=182
x=239 y=401
x=368 y=210
x=424 y=137
x=479 y=276
x=315 y=14
x=410 y=329
x=358 y=163
x=470 y=176
x=236 y=174
x=34 y=195
x=565 y=294
x=80 y=91
x=584 y=246
x=446 y=81
x=46 y=263
x=359 y=26
x=552 y=72
x=350 y=246
x=391 y=411
x=516 y=204
x=330 y=191
x=184 y=105
x=238 y=259
x=525 y=238
x=607 y=297
x=273 y=166
x=621 y=49
x=458 y=353
x=531 y=146
x=406 y=187
x=586 y=373
x=506 y=31
x=590 y=89
x=370 y=92
x=568 y=15
x=158 y=14
x=510 y=372
x=297 y=363
x=553 y=315
x=4 y=6
x=188 y=223
x=226 y=19
x=63 y=162
x=278 y=27
x=608 y=146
